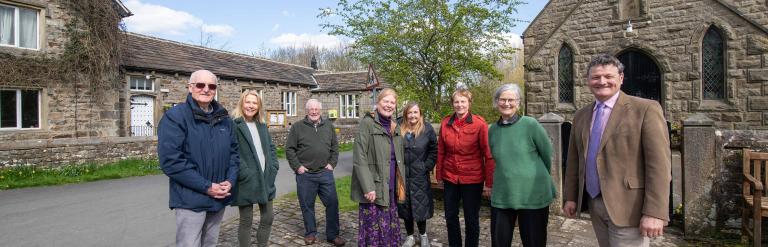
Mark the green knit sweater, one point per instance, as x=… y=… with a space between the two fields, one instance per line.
x=522 y=152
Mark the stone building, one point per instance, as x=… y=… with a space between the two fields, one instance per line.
x=40 y=106
x=49 y=123
x=347 y=94
x=707 y=57
x=157 y=71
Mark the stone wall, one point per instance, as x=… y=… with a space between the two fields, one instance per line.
x=57 y=152
x=670 y=32
x=344 y=134
x=727 y=186
x=171 y=89
x=53 y=153
x=68 y=109
x=331 y=102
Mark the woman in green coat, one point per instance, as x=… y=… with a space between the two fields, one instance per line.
x=258 y=168
x=377 y=174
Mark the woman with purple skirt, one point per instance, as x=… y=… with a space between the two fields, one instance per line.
x=378 y=183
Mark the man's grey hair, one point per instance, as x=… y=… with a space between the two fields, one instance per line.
x=313 y=101
x=507 y=87
x=604 y=59
x=194 y=77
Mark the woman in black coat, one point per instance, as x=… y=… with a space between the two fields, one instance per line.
x=420 y=155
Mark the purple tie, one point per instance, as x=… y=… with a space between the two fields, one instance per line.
x=593 y=181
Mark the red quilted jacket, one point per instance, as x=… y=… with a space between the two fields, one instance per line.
x=463 y=154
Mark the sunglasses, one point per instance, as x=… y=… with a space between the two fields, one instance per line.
x=201 y=86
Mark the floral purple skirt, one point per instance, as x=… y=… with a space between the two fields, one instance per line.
x=379 y=226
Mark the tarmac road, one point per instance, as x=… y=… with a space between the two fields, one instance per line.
x=121 y=212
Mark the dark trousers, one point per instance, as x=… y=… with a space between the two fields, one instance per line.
x=266 y=216
x=409 y=226
x=533 y=226
x=308 y=187
x=470 y=196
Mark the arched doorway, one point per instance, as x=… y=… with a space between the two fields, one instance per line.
x=642 y=78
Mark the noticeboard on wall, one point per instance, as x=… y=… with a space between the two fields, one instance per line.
x=276 y=118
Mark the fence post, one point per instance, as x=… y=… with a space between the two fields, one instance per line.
x=552 y=123
x=698 y=152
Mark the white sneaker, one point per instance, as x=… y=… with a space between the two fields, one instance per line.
x=409 y=242
x=424 y=241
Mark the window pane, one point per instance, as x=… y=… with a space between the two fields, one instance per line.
x=28 y=28
x=8 y=109
x=565 y=75
x=6 y=26
x=30 y=109
x=134 y=83
x=713 y=65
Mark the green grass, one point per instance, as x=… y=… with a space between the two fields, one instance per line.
x=343 y=147
x=343 y=186
x=30 y=176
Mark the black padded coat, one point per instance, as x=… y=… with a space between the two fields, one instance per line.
x=420 y=157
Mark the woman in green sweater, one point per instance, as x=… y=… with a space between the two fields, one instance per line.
x=522 y=187
x=258 y=169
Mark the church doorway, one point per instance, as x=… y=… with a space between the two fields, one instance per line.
x=642 y=77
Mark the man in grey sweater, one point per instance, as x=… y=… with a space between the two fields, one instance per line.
x=313 y=151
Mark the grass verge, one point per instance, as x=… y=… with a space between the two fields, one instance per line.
x=343 y=186
x=343 y=147
x=30 y=176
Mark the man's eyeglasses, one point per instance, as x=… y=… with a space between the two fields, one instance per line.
x=508 y=101
x=201 y=86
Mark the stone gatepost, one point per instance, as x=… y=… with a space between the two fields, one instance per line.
x=552 y=123
x=698 y=170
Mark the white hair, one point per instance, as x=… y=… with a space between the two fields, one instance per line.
x=313 y=101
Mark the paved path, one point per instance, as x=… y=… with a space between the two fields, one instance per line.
x=287 y=229
x=122 y=212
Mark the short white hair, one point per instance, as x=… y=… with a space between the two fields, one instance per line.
x=313 y=101
x=514 y=88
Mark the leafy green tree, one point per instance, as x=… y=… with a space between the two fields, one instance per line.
x=425 y=47
x=482 y=103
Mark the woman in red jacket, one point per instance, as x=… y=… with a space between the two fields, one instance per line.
x=463 y=163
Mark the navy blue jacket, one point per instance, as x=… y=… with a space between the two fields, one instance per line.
x=196 y=149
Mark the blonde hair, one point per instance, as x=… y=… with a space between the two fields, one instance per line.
x=239 y=111
x=383 y=94
x=407 y=126
x=464 y=93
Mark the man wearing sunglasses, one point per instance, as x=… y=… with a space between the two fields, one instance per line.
x=198 y=152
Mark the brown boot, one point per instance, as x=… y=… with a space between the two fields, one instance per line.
x=310 y=240
x=338 y=241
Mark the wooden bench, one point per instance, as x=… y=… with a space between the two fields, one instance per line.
x=755 y=207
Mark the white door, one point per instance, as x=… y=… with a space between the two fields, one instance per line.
x=142 y=116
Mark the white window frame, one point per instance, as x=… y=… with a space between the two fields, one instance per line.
x=19 y=109
x=289 y=103
x=17 y=22
x=347 y=109
x=151 y=81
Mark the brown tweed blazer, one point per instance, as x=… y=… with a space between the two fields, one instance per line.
x=634 y=161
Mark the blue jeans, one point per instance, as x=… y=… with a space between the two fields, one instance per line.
x=308 y=187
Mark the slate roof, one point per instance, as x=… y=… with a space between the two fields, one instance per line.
x=150 y=53
x=343 y=81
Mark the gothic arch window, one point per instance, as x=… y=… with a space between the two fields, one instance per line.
x=565 y=75
x=713 y=65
